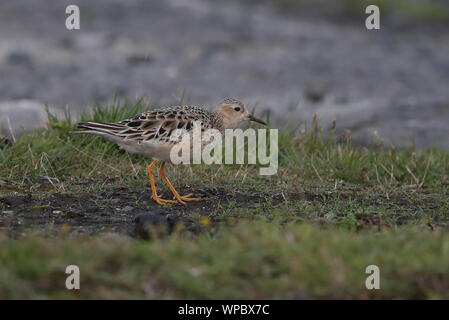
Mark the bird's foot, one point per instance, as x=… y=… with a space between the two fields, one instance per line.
x=184 y=199
x=161 y=201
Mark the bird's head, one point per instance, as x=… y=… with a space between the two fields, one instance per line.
x=233 y=112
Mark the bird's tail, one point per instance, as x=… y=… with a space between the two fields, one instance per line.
x=101 y=129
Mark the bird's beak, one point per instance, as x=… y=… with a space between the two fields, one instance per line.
x=251 y=118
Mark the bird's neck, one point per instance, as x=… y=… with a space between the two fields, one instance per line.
x=220 y=121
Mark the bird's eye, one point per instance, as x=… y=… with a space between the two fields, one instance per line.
x=237 y=109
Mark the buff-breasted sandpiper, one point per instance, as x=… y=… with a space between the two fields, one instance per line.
x=150 y=134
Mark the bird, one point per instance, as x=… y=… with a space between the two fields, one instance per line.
x=151 y=134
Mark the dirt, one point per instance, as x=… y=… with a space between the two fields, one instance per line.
x=122 y=211
x=113 y=211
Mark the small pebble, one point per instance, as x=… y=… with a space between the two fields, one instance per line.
x=128 y=209
x=20 y=58
x=152 y=224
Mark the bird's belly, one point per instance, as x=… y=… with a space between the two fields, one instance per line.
x=161 y=151
x=152 y=150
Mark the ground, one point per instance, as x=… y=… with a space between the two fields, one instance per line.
x=308 y=232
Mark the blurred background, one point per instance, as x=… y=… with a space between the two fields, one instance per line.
x=289 y=58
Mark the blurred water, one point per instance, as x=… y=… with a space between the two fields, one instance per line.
x=393 y=81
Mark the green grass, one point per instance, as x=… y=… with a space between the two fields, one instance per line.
x=257 y=260
x=423 y=10
x=410 y=10
x=307 y=232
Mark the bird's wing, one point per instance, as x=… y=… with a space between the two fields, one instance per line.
x=154 y=125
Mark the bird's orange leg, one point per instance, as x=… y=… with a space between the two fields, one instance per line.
x=176 y=195
x=154 y=195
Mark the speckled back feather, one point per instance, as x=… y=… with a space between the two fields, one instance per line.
x=158 y=124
